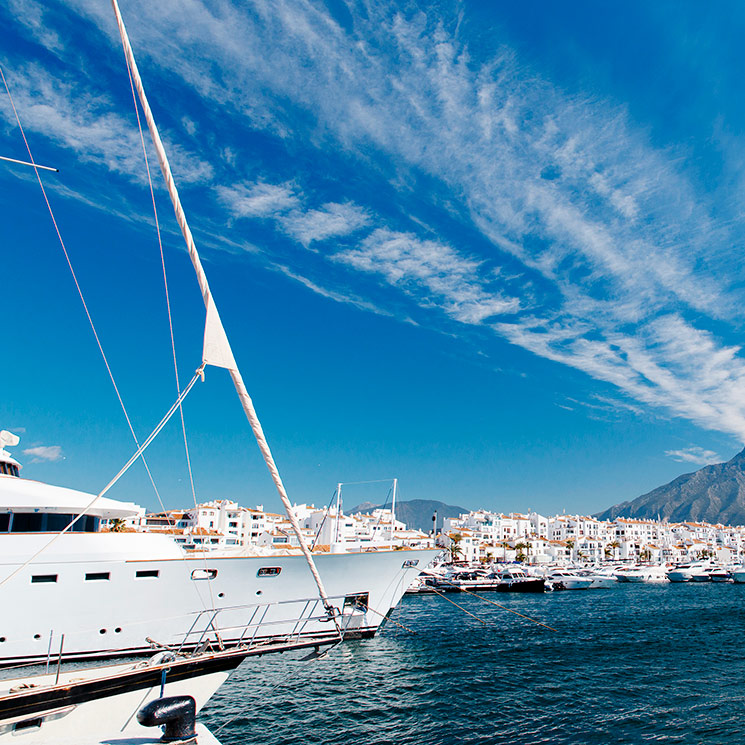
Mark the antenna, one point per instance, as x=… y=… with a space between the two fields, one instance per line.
x=8 y=439
x=26 y=163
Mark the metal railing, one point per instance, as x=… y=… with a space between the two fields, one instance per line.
x=261 y=623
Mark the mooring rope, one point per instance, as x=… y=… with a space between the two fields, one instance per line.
x=492 y=602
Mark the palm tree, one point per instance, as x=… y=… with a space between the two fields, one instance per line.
x=519 y=551
x=455 y=548
x=117 y=526
x=570 y=547
x=614 y=545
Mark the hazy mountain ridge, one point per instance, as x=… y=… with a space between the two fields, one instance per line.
x=416 y=513
x=714 y=494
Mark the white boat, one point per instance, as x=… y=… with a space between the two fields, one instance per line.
x=108 y=592
x=721 y=574
x=568 y=580
x=685 y=572
x=651 y=574
x=600 y=579
x=101 y=705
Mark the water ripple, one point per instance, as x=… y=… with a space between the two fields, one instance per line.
x=635 y=664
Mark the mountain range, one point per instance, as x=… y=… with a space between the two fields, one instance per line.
x=714 y=494
x=416 y=513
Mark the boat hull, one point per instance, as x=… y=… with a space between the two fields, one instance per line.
x=160 y=599
x=90 y=705
x=522 y=585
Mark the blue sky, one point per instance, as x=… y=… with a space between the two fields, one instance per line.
x=493 y=249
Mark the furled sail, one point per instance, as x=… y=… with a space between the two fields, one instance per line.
x=217 y=349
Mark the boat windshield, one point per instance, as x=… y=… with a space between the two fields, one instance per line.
x=46 y=522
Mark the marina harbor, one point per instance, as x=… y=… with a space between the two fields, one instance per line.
x=374 y=373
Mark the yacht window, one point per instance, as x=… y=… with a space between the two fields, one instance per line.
x=142 y=573
x=27 y=724
x=268 y=571
x=37 y=578
x=97 y=576
x=204 y=574
x=4 y=522
x=24 y=522
x=49 y=522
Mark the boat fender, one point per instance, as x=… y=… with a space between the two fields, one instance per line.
x=177 y=715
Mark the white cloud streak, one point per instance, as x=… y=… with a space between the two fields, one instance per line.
x=45 y=453
x=624 y=271
x=695 y=454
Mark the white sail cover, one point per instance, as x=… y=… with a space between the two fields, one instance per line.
x=216 y=351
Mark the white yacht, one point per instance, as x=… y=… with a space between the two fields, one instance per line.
x=600 y=579
x=568 y=580
x=685 y=572
x=653 y=574
x=109 y=592
x=116 y=704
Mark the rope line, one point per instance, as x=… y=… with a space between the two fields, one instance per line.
x=140 y=450
x=77 y=285
x=227 y=360
x=499 y=605
x=468 y=613
x=388 y=618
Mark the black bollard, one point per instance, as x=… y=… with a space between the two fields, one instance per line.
x=178 y=715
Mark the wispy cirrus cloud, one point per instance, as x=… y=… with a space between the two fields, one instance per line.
x=329 y=221
x=695 y=454
x=449 y=278
x=45 y=453
x=619 y=266
x=75 y=117
x=258 y=199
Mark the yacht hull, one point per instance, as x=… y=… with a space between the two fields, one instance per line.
x=90 y=705
x=107 y=605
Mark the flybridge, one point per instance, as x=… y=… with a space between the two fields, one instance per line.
x=33 y=507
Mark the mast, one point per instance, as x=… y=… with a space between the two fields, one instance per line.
x=217 y=350
x=338 y=512
x=393 y=510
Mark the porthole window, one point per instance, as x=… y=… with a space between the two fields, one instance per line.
x=204 y=574
x=97 y=576
x=43 y=578
x=145 y=573
x=268 y=571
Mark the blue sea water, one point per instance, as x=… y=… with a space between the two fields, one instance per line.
x=632 y=664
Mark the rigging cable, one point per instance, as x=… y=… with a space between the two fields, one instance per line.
x=165 y=279
x=138 y=453
x=78 y=287
x=170 y=319
x=220 y=353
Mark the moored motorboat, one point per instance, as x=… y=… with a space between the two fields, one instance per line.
x=648 y=574
x=569 y=580
x=517 y=580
